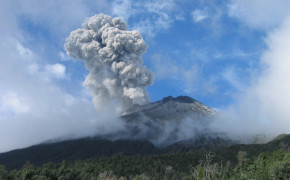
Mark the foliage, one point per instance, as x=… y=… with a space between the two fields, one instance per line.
x=199 y=166
x=236 y=162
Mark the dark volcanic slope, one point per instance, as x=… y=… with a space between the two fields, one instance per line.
x=92 y=148
x=74 y=150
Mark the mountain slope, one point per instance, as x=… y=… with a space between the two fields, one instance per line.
x=169 y=120
x=73 y=150
x=92 y=148
x=154 y=128
x=169 y=108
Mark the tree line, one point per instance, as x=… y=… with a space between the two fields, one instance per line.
x=187 y=166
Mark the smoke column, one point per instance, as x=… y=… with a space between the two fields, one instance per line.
x=112 y=54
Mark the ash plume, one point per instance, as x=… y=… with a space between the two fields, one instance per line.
x=112 y=54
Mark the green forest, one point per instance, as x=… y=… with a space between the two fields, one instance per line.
x=274 y=165
x=254 y=161
x=190 y=165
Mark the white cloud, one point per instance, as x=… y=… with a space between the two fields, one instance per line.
x=212 y=12
x=33 y=106
x=230 y=74
x=263 y=107
x=63 y=56
x=190 y=79
x=32 y=68
x=261 y=14
x=123 y=9
x=56 y=70
x=59 y=16
x=33 y=110
x=156 y=16
x=198 y=15
x=179 y=17
x=26 y=53
x=146 y=28
x=11 y=104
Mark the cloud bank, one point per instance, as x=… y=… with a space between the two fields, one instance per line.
x=153 y=16
x=33 y=108
x=260 y=14
x=263 y=106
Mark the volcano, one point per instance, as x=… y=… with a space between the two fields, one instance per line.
x=170 y=108
x=170 y=125
x=169 y=120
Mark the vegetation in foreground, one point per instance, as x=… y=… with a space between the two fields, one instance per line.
x=256 y=161
x=273 y=165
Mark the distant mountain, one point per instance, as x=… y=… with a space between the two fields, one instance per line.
x=169 y=108
x=154 y=128
x=164 y=122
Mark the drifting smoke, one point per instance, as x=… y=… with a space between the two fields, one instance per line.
x=112 y=54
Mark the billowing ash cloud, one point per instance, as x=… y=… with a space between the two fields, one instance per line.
x=112 y=54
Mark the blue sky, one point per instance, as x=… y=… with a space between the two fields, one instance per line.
x=222 y=53
x=211 y=51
